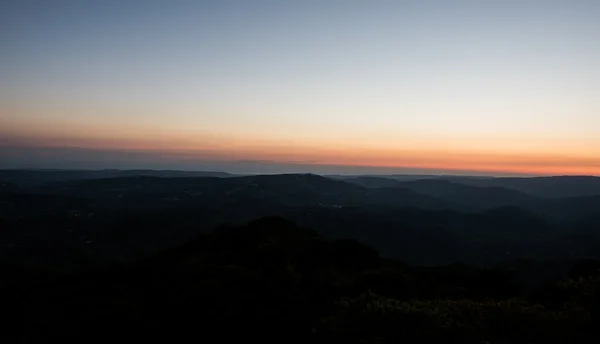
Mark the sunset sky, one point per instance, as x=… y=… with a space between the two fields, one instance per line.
x=495 y=87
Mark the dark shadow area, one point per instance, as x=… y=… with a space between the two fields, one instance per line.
x=138 y=258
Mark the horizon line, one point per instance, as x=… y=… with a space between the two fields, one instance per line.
x=349 y=174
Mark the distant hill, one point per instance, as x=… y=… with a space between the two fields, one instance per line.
x=373 y=182
x=404 y=177
x=29 y=178
x=398 y=177
x=575 y=208
x=428 y=221
x=471 y=196
x=285 y=189
x=547 y=187
x=554 y=187
x=422 y=236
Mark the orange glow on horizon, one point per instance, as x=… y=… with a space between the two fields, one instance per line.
x=472 y=154
x=446 y=160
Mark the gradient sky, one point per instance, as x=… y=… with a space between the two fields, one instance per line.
x=441 y=86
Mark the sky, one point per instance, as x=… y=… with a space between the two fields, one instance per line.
x=483 y=87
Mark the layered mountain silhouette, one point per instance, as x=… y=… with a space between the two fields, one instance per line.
x=426 y=221
x=557 y=187
x=466 y=195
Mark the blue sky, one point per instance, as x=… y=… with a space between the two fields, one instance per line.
x=373 y=83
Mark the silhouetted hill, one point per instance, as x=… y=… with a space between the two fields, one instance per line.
x=287 y=189
x=470 y=196
x=32 y=178
x=574 y=208
x=398 y=177
x=435 y=237
x=273 y=239
x=423 y=222
x=556 y=187
x=271 y=281
x=373 y=182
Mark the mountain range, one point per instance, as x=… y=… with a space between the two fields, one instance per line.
x=425 y=221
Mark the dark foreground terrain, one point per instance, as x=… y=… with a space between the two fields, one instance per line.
x=272 y=281
x=96 y=256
